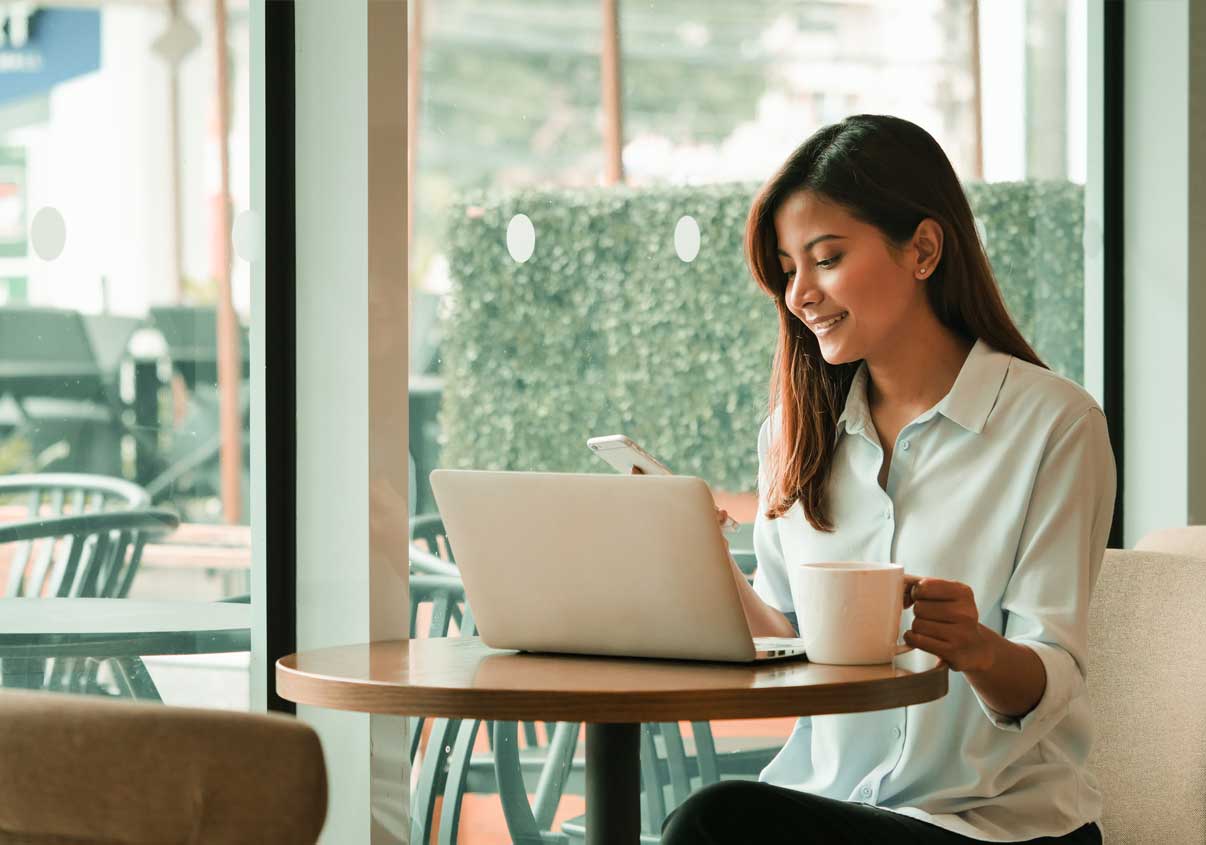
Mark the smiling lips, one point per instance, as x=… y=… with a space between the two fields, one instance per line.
x=823 y=326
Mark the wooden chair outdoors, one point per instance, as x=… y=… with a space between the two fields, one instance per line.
x=1146 y=665
x=86 y=771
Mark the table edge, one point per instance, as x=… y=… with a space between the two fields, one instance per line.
x=385 y=698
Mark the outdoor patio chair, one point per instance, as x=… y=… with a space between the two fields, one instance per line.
x=441 y=773
x=60 y=493
x=189 y=466
x=425 y=395
x=81 y=771
x=1145 y=670
x=191 y=335
x=549 y=769
x=68 y=407
x=431 y=554
x=89 y=555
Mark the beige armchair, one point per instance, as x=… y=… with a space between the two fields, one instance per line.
x=1187 y=540
x=1147 y=682
x=79 y=770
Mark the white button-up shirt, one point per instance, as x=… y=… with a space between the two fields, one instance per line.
x=1006 y=485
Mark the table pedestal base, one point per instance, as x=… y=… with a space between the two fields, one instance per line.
x=613 y=784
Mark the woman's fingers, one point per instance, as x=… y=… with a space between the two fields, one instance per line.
x=722 y=516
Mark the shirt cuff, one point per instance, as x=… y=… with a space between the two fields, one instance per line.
x=1063 y=683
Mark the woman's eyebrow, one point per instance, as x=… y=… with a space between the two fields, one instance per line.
x=816 y=241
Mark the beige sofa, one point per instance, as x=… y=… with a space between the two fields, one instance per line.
x=80 y=770
x=1147 y=682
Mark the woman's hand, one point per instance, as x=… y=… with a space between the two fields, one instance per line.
x=722 y=516
x=946 y=623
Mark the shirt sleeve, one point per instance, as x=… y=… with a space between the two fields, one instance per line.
x=770 y=578
x=1063 y=540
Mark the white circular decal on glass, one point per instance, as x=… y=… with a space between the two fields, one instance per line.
x=686 y=238
x=245 y=235
x=521 y=238
x=48 y=233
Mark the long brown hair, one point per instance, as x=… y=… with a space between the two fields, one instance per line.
x=891 y=174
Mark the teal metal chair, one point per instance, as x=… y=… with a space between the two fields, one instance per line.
x=67 y=406
x=48 y=495
x=672 y=765
x=88 y=555
x=446 y=759
x=189 y=466
x=426 y=393
x=437 y=595
x=59 y=493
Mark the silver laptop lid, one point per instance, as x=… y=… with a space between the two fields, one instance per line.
x=594 y=564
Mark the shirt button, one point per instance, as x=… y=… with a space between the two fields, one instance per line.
x=866 y=791
x=896 y=732
x=888 y=513
x=905 y=446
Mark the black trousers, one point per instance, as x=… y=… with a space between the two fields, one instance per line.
x=737 y=812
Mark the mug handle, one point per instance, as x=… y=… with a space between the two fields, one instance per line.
x=901 y=648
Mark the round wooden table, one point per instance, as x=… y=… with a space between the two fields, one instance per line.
x=463 y=678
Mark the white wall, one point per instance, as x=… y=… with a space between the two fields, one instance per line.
x=103 y=159
x=1165 y=306
x=347 y=590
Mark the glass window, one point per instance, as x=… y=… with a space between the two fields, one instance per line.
x=124 y=305
x=549 y=305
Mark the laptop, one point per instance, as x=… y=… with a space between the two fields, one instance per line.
x=616 y=565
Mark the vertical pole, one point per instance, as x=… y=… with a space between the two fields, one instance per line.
x=386 y=328
x=174 y=148
x=414 y=93
x=229 y=363
x=613 y=786
x=978 y=91
x=613 y=130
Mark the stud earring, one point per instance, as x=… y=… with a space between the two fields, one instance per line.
x=923 y=271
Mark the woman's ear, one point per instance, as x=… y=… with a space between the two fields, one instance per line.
x=927 y=247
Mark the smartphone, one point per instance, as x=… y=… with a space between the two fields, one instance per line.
x=623 y=454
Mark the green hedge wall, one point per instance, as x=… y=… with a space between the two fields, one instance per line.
x=605 y=330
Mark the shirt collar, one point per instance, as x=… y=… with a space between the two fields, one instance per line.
x=968 y=403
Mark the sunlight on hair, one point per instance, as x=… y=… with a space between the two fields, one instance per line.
x=48 y=233
x=981 y=231
x=686 y=238
x=521 y=238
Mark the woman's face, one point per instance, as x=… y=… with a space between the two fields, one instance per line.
x=840 y=268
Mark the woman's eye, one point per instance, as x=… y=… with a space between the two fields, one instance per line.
x=829 y=262
x=788 y=274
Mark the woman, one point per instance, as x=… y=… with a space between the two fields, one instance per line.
x=911 y=422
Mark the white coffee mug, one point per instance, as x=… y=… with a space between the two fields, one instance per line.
x=849 y=612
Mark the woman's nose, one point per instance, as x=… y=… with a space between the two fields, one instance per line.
x=800 y=295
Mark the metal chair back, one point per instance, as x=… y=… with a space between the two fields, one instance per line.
x=49 y=495
x=47 y=352
x=89 y=555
